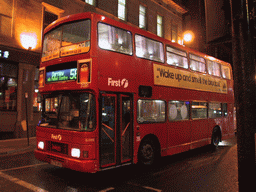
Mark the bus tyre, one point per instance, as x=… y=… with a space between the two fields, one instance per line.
x=147 y=153
x=215 y=138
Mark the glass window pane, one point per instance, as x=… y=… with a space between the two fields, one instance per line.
x=214 y=110
x=72 y=111
x=68 y=39
x=213 y=68
x=142 y=17
x=178 y=110
x=114 y=39
x=8 y=86
x=159 y=26
x=225 y=72
x=177 y=57
x=121 y=9
x=149 y=49
x=91 y=2
x=76 y=32
x=225 y=109
x=151 y=111
x=50 y=109
x=51 y=43
x=199 y=110
x=197 y=63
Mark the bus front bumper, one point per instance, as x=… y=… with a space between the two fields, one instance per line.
x=90 y=166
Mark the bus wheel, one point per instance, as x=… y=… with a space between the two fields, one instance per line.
x=215 y=138
x=147 y=153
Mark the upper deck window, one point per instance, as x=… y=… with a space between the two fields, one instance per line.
x=114 y=39
x=213 y=68
x=176 y=57
x=68 y=39
x=225 y=70
x=75 y=33
x=149 y=49
x=197 y=63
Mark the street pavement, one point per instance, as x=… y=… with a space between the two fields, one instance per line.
x=228 y=163
x=15 y=146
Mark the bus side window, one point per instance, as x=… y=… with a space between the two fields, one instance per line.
x=176 y=57
x=225 y=70
x=151 y=111
x=213 y=68
x=149 y=49
x=214 y=110
x=178 y=110
x=199 y=110
x=197 y=63
x=114 y=39
x=225 y=109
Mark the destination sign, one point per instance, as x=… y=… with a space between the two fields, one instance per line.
x=61 y=75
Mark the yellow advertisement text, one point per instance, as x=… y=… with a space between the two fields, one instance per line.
x=169 y=76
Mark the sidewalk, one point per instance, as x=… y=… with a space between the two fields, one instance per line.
x=13 y=146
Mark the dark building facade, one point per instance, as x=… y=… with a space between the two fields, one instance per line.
x=21 y=28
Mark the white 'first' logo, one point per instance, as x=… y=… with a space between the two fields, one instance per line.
x=118 y=83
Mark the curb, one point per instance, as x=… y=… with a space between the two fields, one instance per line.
x=31 y=148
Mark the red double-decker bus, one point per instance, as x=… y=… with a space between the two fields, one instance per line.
x=113 y=94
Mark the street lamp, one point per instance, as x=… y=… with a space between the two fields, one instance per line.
x=28 y=40
x=188 y=36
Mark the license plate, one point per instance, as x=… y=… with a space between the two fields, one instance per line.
x=56 y=163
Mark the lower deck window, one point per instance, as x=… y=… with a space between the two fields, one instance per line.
x=214 y=110
x=225 y=109
x=178 y=110
x=151 y=111
x=199 y=110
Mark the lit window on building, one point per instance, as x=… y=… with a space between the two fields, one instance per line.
x=4 y=54
x=8 y=86
x=142 y=17
x=36 y=104
x=159 y=26
x=91 y=2
x=121 y=9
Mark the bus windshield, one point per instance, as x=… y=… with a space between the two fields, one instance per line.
x=68 y=39
x=74 y=111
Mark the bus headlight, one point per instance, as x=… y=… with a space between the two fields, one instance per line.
x=75 y=152
x=40 y=145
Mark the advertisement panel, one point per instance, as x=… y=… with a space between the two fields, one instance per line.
x=172 y=77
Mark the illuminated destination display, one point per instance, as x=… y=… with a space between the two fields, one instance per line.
x=61 y=75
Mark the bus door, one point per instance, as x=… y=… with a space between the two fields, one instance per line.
x=115 y=130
